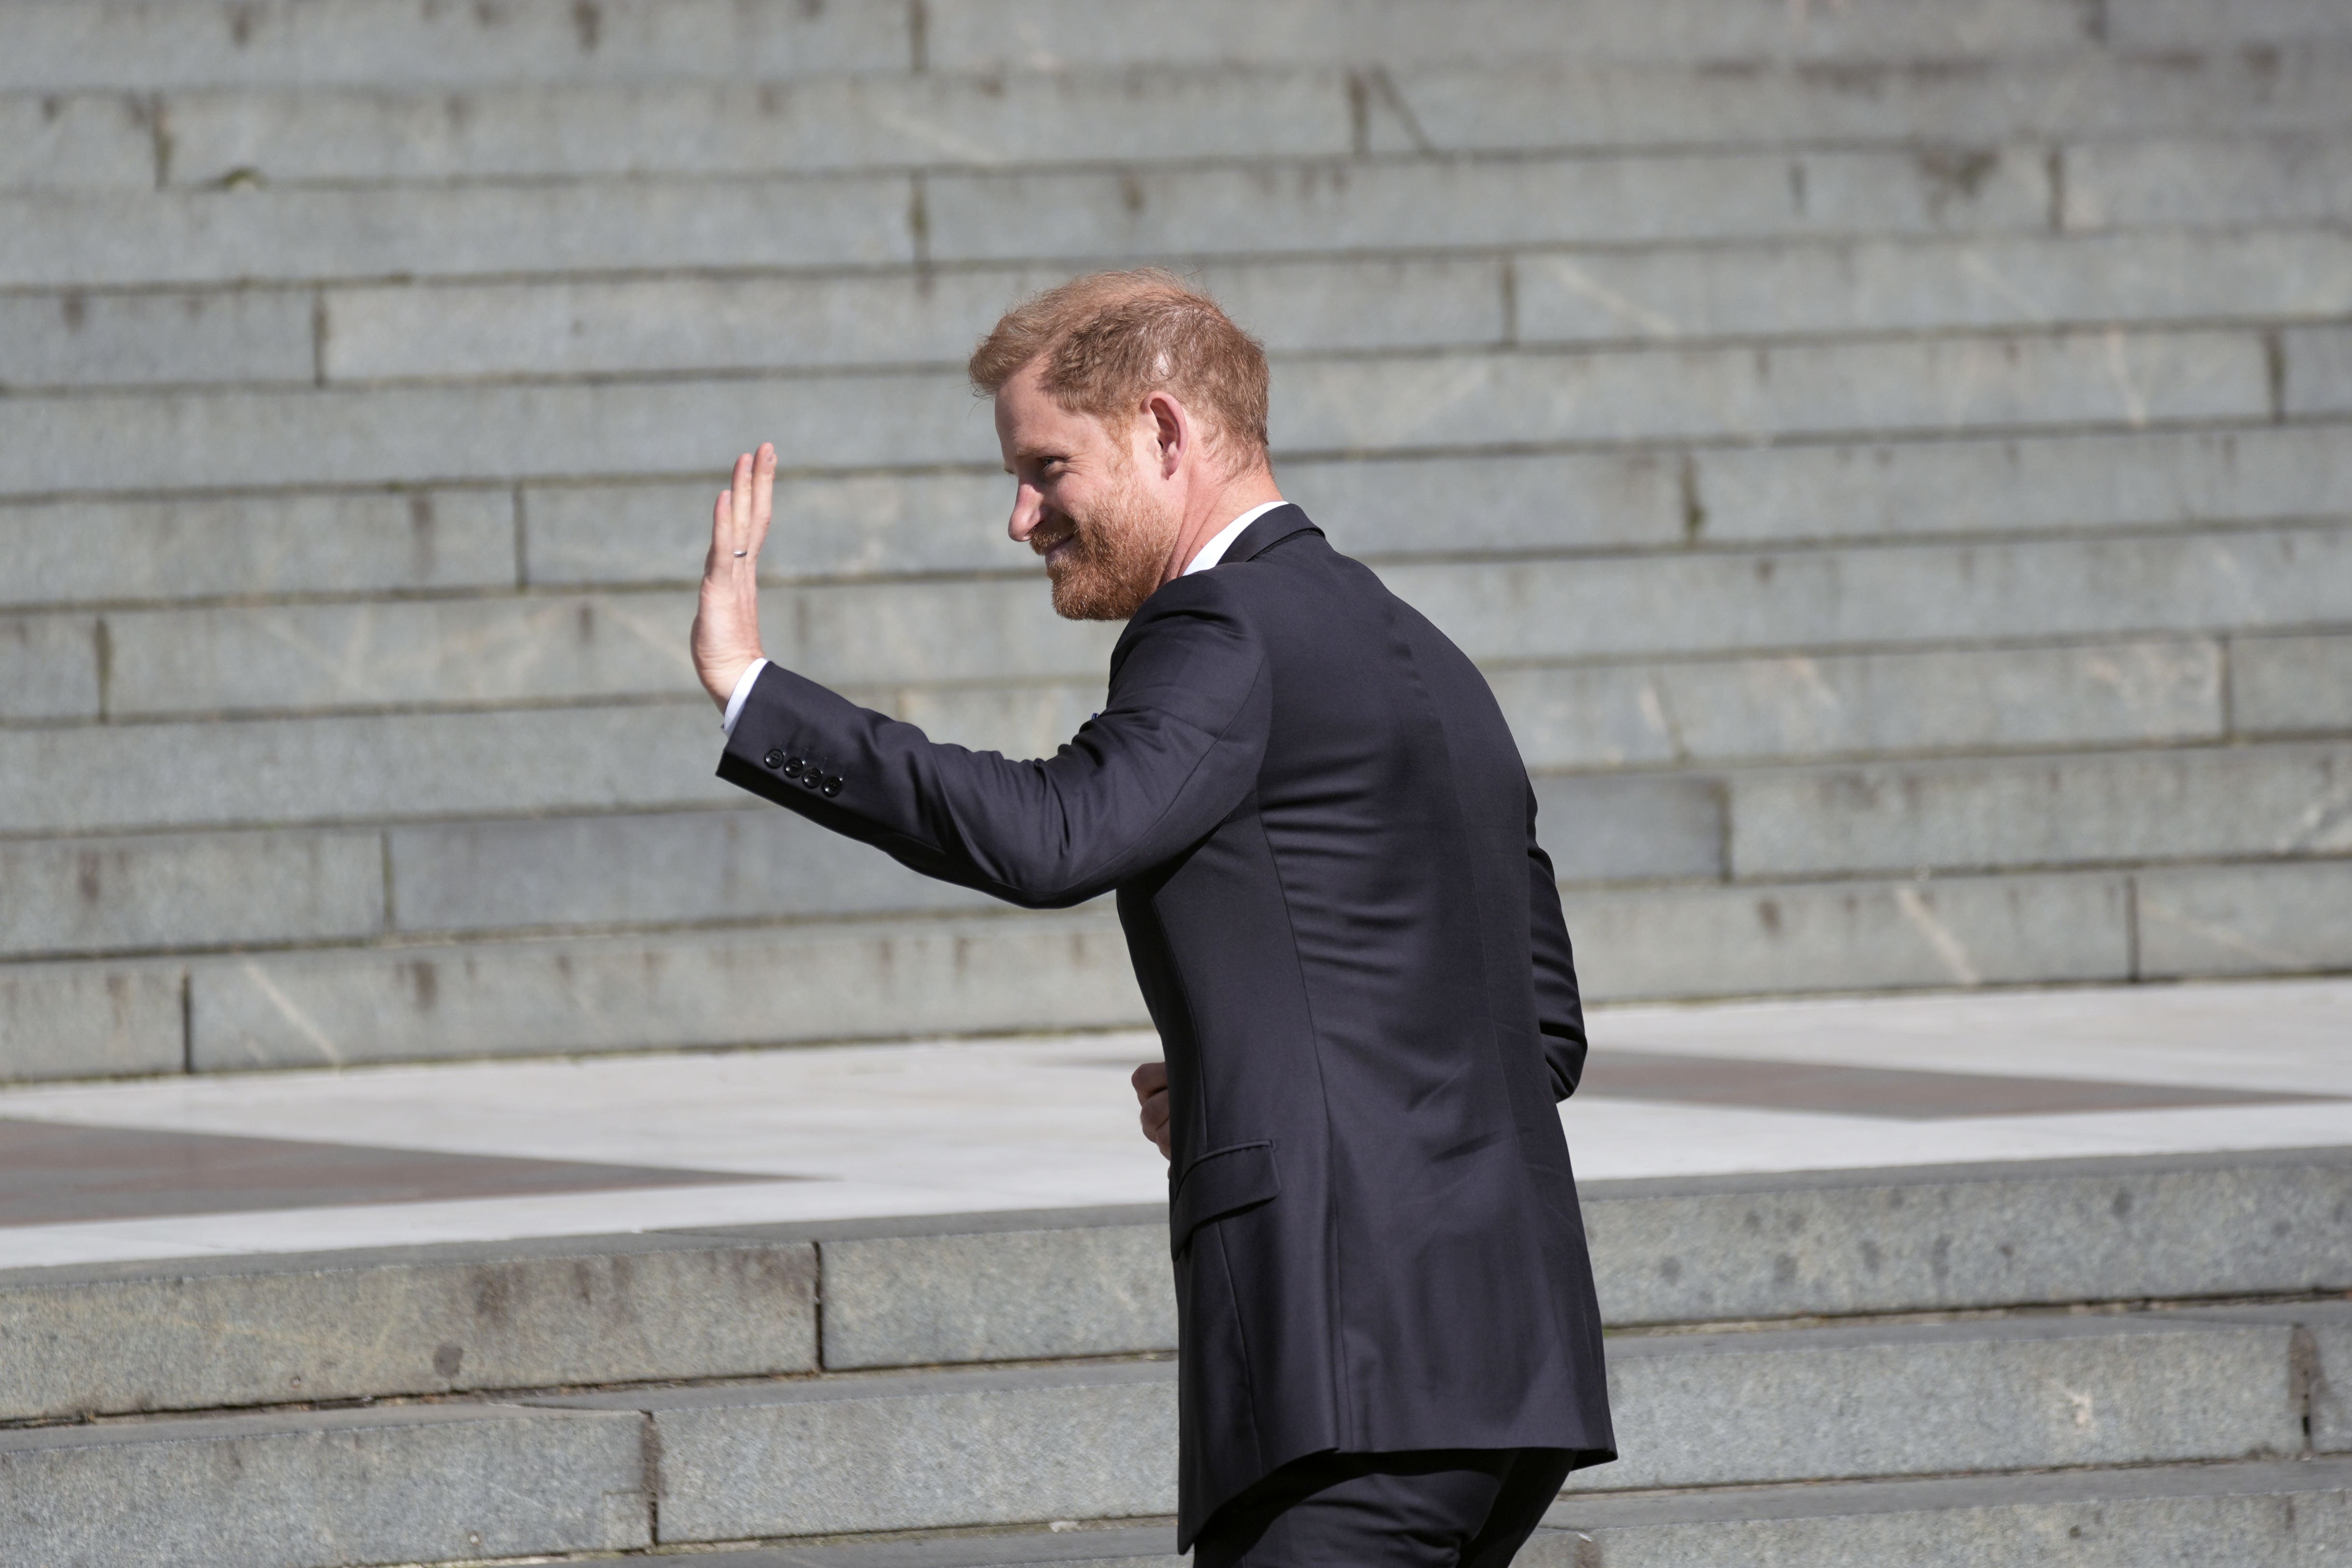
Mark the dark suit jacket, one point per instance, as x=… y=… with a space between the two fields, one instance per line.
x=1323 y=843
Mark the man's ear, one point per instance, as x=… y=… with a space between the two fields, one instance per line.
x=1170 y=429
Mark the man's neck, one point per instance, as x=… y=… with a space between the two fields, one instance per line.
x=1206 y=520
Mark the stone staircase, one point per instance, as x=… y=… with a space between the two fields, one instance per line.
x=2099 y=1362
x=1891 y=455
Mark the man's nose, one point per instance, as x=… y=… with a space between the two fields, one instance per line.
x=1028 y=507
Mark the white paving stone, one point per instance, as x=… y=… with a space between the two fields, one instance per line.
x=935 y=1126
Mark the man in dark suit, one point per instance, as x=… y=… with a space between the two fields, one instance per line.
x=1322 y=842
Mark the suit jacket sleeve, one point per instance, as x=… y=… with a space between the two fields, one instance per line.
x=1175 y=750
x=1560 y=1009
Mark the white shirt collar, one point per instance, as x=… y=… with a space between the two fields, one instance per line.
x=1223 y=540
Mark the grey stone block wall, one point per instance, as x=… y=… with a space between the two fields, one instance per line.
x=1891 y=460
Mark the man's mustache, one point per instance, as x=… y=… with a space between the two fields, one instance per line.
x=1051 y=531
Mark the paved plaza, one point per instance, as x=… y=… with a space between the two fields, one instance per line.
x=306 y=1160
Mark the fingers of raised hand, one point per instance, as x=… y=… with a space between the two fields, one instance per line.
x=722 y=529
x=763 y=493
x=738 y=508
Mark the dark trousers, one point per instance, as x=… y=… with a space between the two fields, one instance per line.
x=1433 y=1507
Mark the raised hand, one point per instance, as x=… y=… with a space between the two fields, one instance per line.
x=1150 y=1081
x=727 y=620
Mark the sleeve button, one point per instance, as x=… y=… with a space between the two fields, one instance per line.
x=773 y=759
x=833 y=784
x=793 y=766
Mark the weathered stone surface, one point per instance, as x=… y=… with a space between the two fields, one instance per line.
x=2291 y=686
x=1953 y=384
x=1652 y=827
x=1068 y=972
x=498 y=434
x=1821 y=601
x=311 y=1489
x=1940 y=1239
x=89 y=141
x=91 y=1020
x=1913 y=285
x=854 y=419
x=1849 y=936
x=69 y=240
x=429 y=1320
x=2322 y=1367
x=2100 y=807
x=2186 y=23
x=470 y=651
x=68 y=552
x=2259 y=1514
x=1712 y=1409
x=648 y=869
x=1511 y=106
x=859 y=525
x=2318 y=368
x=2245 y=919
x=1090 y=1546
x=143 y=43
x=972 y=1448
x=48 y=666
x=2219 y=180
x=1001 y=1295
x=886 y=524
x=1807 y=705
x=1051 y=34
x=116 y=340
x=562 y=327
x=294 y=771
x=2022 y=486
x=1535 y=201
x=692 y=128
x=92 y=894
x=1392 y=507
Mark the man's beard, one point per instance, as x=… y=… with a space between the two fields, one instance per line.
x=1114 y=558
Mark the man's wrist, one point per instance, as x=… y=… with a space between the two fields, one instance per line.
x=742 y=694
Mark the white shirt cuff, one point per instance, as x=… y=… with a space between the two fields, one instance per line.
x=743 y=684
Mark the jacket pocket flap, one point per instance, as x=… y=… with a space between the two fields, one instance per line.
x=1216 y=1185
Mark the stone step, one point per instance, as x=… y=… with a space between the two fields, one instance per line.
x=652 y=869
x=1094 y=1442
x=895 y=977
x=589 y=129
x=2014 y=383
x=253 y=767
x=1023 y=1444
x=741 y=1302
x=561 y=327
x=62 y=43
x=77 y=240
x=2206 y=183
x=984 y=663
x=2259 y=1514
x=2186 y=24
x=623 y=533
x=2203 y=803
x=309 y=1488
